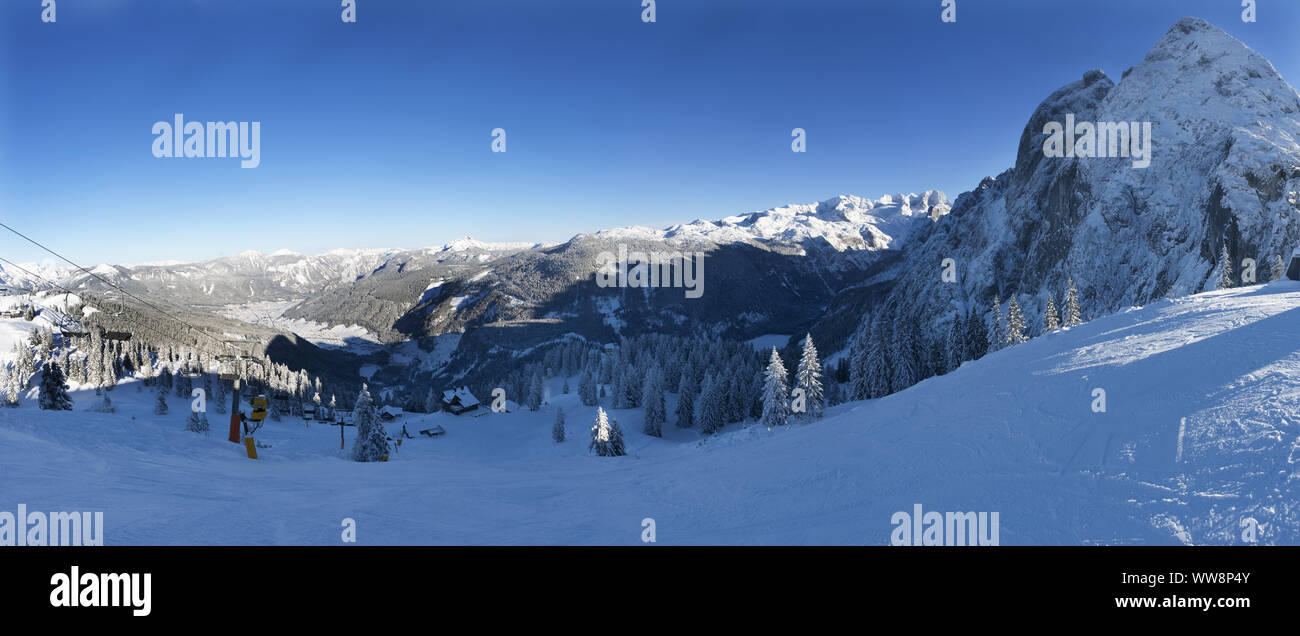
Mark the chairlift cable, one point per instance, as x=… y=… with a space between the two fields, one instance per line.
x=90 y=301
x=226 y=367
x=104 y=280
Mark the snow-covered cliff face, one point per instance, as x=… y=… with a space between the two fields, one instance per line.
x=1226 y=127
x=1224 y=165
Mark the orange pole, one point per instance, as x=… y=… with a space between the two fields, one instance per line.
x=234 y=414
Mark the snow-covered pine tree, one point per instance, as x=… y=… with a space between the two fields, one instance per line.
x=54 y=392
x=956 y=347
x=26 y=364
x=734 y=406
x=95 y=359
x=109 y=379
x=146 y=371
x=587 y=388
x=859 y=383
x=194 y=423
x=371 y=442
x=977 y=343
x=652 y=401
x=64 y=356
x=879 y=377
x=632 y=376
x=184 y=386
x=565 y=387
x=1051 y=322
x=1278 y=267
x=43 y=342
x=76 y=369
x=616 y=438
x=1015 y=323
x=936 y=357
x=617 y=391
x=997 y=334
x=808 y=377
x=905 y=371
x=1225 y=269
x=687 y=392
x=606 y=437
x=753 y=391
x=606 y=370
x=9 y=387
x=732 y=389
x=918 y=345
x=1072 y=314
x=160 y=404
x=534 y=399
x=709 y=405
x=776 y=393
x=557 y=430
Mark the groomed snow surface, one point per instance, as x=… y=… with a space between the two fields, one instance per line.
x=1013 y=433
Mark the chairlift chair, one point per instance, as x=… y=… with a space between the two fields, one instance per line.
x=227 y=369
x=230 y=366
x=68 y=327
x=122 y=336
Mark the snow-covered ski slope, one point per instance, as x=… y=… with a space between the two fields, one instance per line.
x=1200 y=432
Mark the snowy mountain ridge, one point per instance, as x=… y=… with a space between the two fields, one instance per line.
x=843 y=223
x=469 y=243
x=35 y=277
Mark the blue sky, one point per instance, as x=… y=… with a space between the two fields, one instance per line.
x=378 y=133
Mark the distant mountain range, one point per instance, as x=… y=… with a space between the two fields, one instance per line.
x=255 y=276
